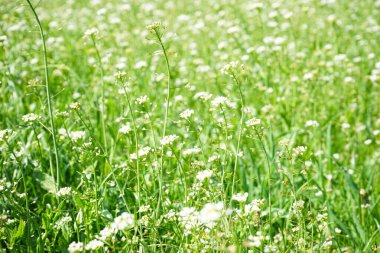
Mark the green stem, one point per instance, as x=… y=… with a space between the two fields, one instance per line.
x=136 y=145
x=166 y=117
x=240 y=133
x=102 y=81
x=47 y=91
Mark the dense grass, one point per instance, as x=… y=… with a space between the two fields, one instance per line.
x=190 y=126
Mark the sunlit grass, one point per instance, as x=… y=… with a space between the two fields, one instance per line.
x=189 y=126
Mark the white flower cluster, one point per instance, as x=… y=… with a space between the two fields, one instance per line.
x=191 y=151
x=31 y=117
x=125 y=129
x=256 y=240
x=62 y=222
x=204 y=174
x=232 y=67
x=141 y=153
x=6 y=134
x=189 y=218
x=142 y=100
x=205 y=96
x=240 y=197
x=169 y=139
x=299 y=151
x=221 y=101
x=211 y=213
x=74 y=106
x=77 y=135
x=186 y=114
x=76 y=247
x=311 y=123
x=122 y=222
x=253 y=122
x=91 y=32
x=65 y=191
x=94 y=245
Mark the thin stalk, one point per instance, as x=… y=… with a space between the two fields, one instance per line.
x=137 y=147
x=166 y=116
x=240 y=133
x=25 y=191
x=102 y=99
x=269 y=180
x=47 y=86
x=168 y=86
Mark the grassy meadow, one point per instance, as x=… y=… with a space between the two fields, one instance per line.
x=190 y=126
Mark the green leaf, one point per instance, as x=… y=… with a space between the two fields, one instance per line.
x=46 y=181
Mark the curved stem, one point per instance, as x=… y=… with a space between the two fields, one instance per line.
x=136 y=146
x=240 y=133
x=102 y=81
x=166 y=116
x=47 y=92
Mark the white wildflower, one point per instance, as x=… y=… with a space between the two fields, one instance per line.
x=210 y=213
x=169 y=139
x=203 y=96
x=311 y=123
x=91 y=32
x=186 y=114
x=31 y=117
x=65 y=191
x=204 y=174
x=125 y=220
x=240 y=197
x=6 y=134
x=125 y=129
x=220 y=101
x=300 y=150
x=142 y=100
x=253 y=122
x=94 y=245
x=75 y=247
x=77 y=135
x=191 y=151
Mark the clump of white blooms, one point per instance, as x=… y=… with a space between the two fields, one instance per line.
x=31 y=117
x=123 y=221
x=6 y=134
x=77 y=135
x=221 y=101
x=94 y=245
x=311 y=123
x=255 y=240
x=141 y=153
x=154 y=26
x=210 y=213
x=120 y=223
x=169 y=139
x=191 y=151
x=65 y=191
x=142 y=100
x=76 y=247
x=299 y=150
x=253 y=122
x=254 y=206
x=240 y=197
x=62 y=222
x=232 y=67
x=74 y=106
x=205 y=96
x=91 y=32
x=186 y=114
x=125 y=129
x=204 y=174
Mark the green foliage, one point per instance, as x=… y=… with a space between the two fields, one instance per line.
x=228 y=126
